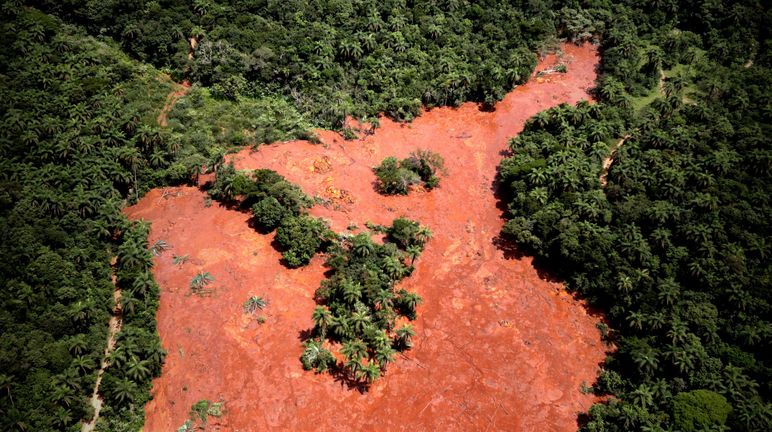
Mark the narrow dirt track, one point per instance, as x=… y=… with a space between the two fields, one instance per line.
x=179 y=91
x=498 y=347
x=114 y=327
x=606 y=165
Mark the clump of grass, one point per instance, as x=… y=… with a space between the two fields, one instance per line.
x=253 y=304
x=179 y=259
x=200 y=281
x=159 y=247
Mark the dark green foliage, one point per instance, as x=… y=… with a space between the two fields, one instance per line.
x=301 y=237
x=276 y=204
x=316 y=357
x=699 y=409
x=675 y=246
x=78 y=138
x=269 y=213
x=359 y=306
x=422 y=167
x=394 y=179
x=407 y=233
x=331 y=58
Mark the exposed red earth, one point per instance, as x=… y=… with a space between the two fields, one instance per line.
x=497 y=347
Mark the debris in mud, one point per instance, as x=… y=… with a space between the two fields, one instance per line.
x=322 y=165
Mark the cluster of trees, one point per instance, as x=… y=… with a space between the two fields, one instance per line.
x=77 y=141
x=276 y=205
x=420 y=168
x=675 y=247
x=359 y=306
x=332 y=58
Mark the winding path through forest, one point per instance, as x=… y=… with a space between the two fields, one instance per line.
x=498 y=346
x=114 y=327
x=179 y=91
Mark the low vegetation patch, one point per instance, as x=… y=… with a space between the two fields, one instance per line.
x=420 y=168
x=199 y=415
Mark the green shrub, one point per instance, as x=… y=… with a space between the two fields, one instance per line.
x=301 y=237
x=269 y=213
x=421 y=167
x=699 y=410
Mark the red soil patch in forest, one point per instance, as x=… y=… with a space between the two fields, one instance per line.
x=497 y=347
x=179 y=91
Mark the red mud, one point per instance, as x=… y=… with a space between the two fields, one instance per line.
x=497 y=346
x=171 y=99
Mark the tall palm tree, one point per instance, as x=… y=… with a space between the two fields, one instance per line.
x=124 y=391
x=404 y=336
x=323 y=319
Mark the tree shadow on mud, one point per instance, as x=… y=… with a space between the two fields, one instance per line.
x=510 y=248
x=338 y=371
x=552 y=273
x=547 y=271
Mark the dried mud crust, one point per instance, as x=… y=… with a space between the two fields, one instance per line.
x=498 y=347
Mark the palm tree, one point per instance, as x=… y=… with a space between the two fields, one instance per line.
x=63 y=395
x=404 y=335
x=370 y=372
x=385 y=355
x=323 y=319
x=84 y=363
x=669 y=291
x=62 y=417
x=352 y=291
x=393 y=267
x=341 y=327
x=413 y=251
x=159 y=247
x=360 y=319
x=383 y=299
x=363 y=246
x=253 y=304
x=143 y=284
x=354 y=349
x=137 y=369
x=124 y=391
x=423 y=235
x=6 y=382
x=129 y=304
x=408 y=303
x=646 y=360
x=200 y=281
x=642 y=396
x=636 y=320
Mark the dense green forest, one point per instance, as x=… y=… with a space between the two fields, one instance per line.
x=672 y=243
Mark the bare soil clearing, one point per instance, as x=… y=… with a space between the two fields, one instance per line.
x=498 y=347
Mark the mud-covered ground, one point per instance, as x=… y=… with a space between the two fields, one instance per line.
x=498 y=346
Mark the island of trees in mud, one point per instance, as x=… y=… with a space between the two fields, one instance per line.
x=650 y=203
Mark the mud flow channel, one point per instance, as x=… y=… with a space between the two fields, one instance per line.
x=497 y=346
